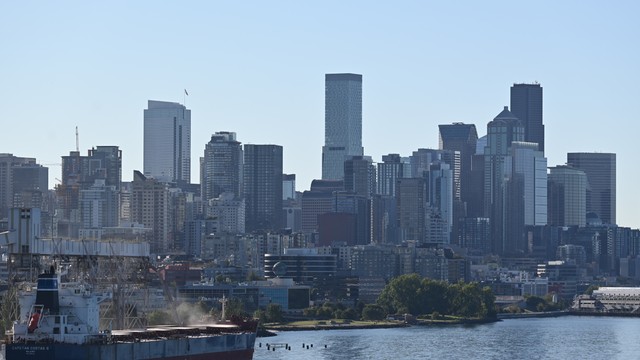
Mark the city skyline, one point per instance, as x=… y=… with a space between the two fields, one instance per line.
x=402 y=102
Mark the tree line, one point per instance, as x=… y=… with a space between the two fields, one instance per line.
x=415 y=295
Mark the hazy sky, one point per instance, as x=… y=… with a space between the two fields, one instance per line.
x=257 y=68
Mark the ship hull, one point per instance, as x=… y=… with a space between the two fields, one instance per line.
x=224 y=347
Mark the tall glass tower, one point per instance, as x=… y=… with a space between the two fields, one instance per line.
x=601 y=182
x=167 y=142
x=222 y=167
x=263 y=187
x=526 y=105
x=342 y=123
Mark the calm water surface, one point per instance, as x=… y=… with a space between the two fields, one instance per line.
x=566 y=337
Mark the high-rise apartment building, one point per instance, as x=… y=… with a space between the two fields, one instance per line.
x=567 y=196
x=411 y=202
x=108 y=163
x=360 y=176
x=150 y=207
x=318 y=200
x=80 y=172
x=342 y=123
x=263 y=187
x=526 y=105
x=601 y=182
x=7 y=163
x=222 y=167
x=167 y=142
x=99 y=207
x=389 y=171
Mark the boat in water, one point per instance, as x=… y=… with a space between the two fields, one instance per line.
x=61 y=321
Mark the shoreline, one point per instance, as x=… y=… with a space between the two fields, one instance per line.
x=341 y=326
x=380 y=325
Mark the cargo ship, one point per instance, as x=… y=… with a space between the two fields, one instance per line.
x=61 y=321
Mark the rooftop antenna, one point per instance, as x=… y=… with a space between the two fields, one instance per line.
x=77 y=140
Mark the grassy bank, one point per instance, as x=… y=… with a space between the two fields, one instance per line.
x=333 y=324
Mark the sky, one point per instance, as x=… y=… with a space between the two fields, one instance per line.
x=257 y=68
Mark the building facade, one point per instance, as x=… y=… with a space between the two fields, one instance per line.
x=600 y=169
x=501 y=132
x=150 y=207
x=526 y=105
x=263 y=187
x=342 y=123
x=167 y=142
x=567 y=196
x=222 y=167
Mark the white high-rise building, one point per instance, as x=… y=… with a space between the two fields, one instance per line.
x=167 y=142
x=531 y=164
x=342 y=123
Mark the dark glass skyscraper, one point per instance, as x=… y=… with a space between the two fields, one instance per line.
x=463 y=138
x=601 y=182
x=222 y=167
x=360 y=176
x=263 y=187
x=501 y=133
x=526 y=105
x=342 y=123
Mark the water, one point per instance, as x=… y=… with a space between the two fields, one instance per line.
x=566 y=337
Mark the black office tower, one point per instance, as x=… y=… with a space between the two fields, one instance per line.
x=263 y=187
x=526 y=105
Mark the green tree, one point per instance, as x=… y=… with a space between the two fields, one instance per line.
x=466 y=300
x=349 y=314
x=324 y=313
x=274 y=313
x=488 y=303
x=535 y=303
x=310 y=312
x=373 y=312
x=234 y=307
x=435 y=295
x=403 y=294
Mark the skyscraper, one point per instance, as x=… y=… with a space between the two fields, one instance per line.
x=167 y=142
x=601 y=182
x=526 y=105
x=411 y=204
x=463 y=138
x=567 y=196
x=389 y=171
x=440 y=199
x=80 y=173
x=501 y=132
x=7 y=163
x=150 y=207
x=342 y=123
x=360 y=176
x=222 y=166
x=263 y=187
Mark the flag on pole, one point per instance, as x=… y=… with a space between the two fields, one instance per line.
x=185 y=92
